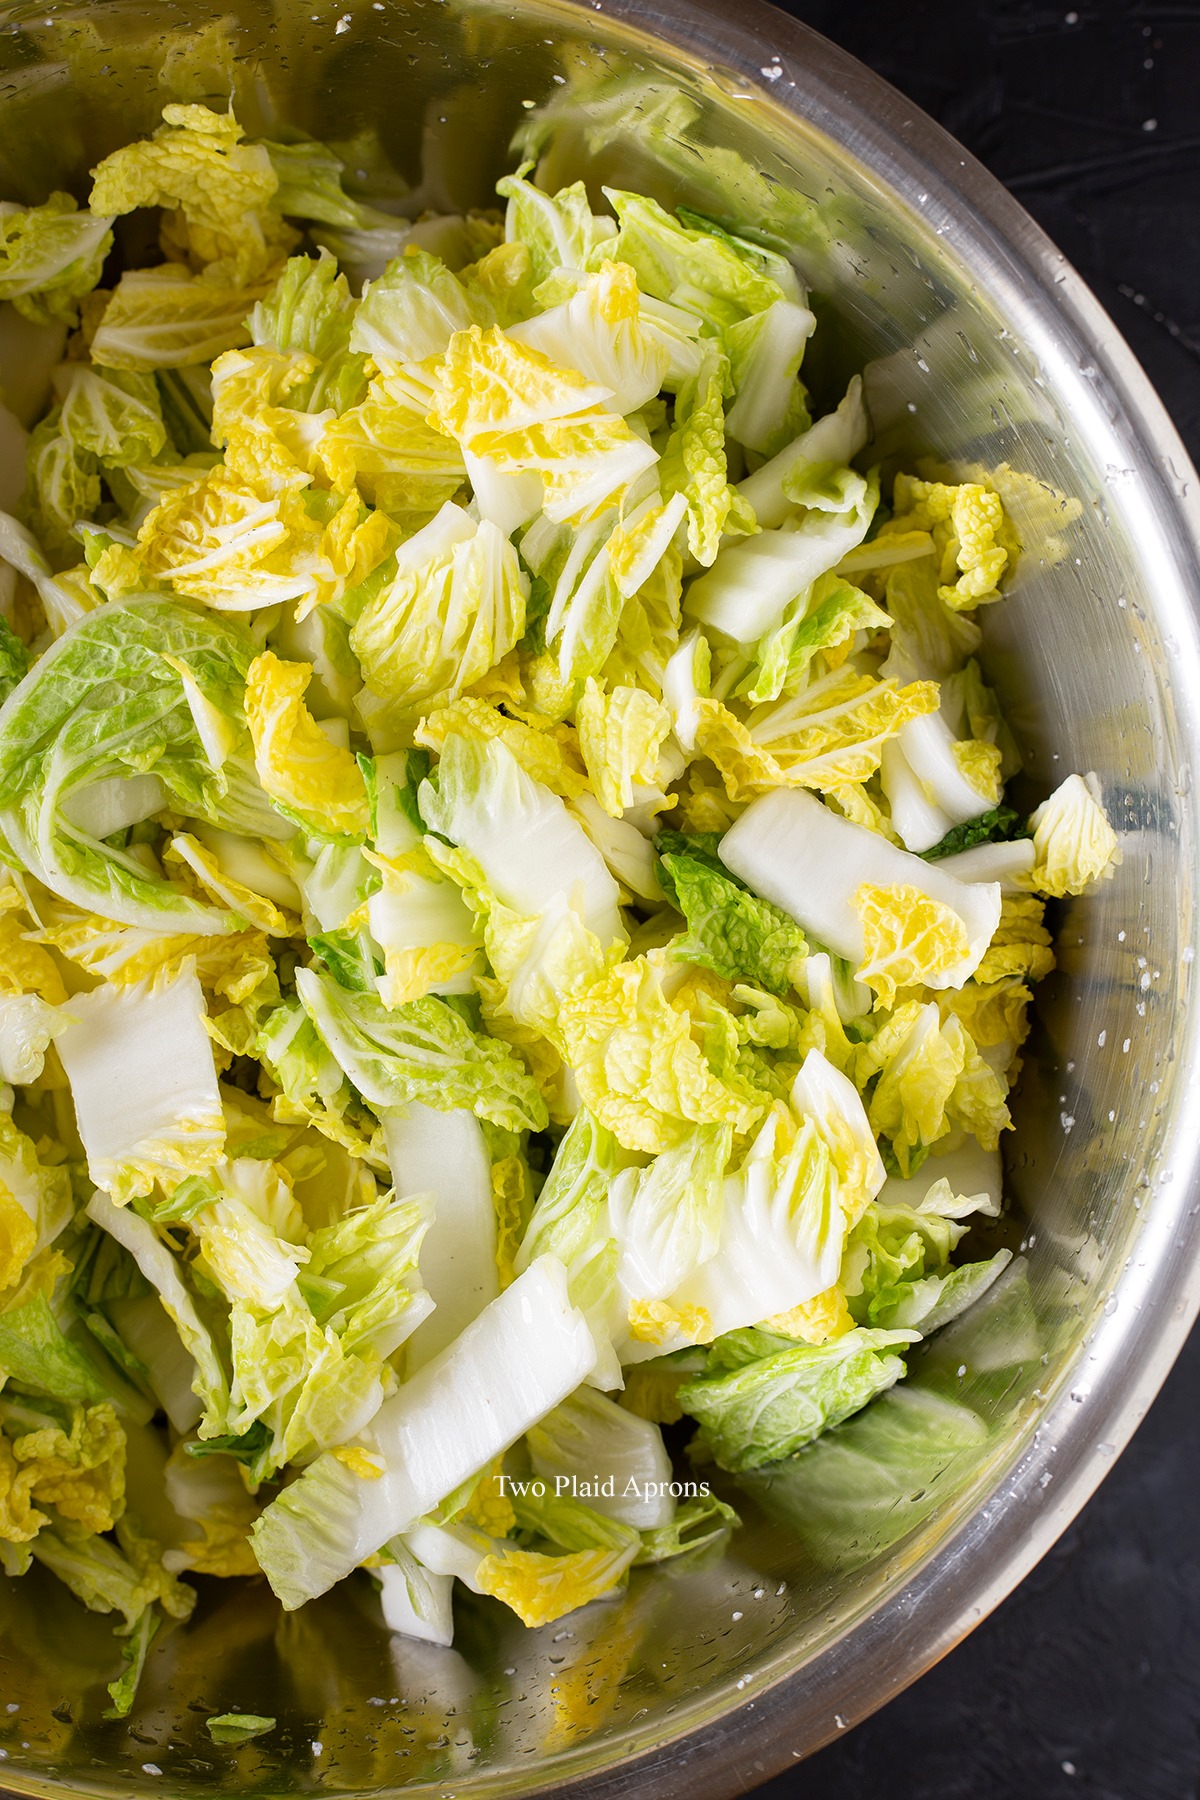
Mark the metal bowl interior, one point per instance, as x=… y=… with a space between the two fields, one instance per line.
x=869 y=1555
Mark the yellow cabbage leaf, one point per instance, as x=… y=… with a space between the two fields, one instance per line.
x=256 y=909
x=970 y=534
x=266 y=441
x=454 y=607
x=196 y=165
x=547 y=751
x=512 y=1200
x=657 y=1322
x=25 y=966
x=918 y=1066
x=541 y=1588
x=814 y=1321
x=635 y=1063
x=397 y=458
x=1021 y=944
x=1073 y=842
x=907 y=938
x=18 y=1237
x=829 y=736
x=306 y=775
x=487 y=383
x=620 y=736
x=994 y=1012
x=168 y=318
x=236 y=546
x=81 y=1473
x=586 y=462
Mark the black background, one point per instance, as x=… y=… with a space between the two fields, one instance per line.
x=1087 y=1680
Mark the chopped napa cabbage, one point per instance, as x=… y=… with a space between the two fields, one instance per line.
x=693 y=265
x=629 y=855
x=453 y=608
x=425 y=930
x=110 y=414
x=166 y=318
x=523 y=1355
x=28 y=1026
x=694 y=459
x=386 y=445
x=787 y=1208
x=617 y=1462
x=147 y=1331
x=970 y=534
x=474 y=856
x=570 y=1218
x=142 y=1078
x=841 y=882
x=50 y=257
x=897 y=1273
x=760 y=1411
x=14 y=660
x=235 y=545
x=832 y=733
x=1020 y=945
x=745 y=593
x=825 y=617
x=61 y=601
x=238 y=1728
x=310 y=778
x=600 y=332
x=107 y=1579
x=443 y=1153
x=1073 y=843
x=310 y=309
x=258 y=418
x=931 y=1079
x=593 y=575
x=36 y=1203
x=765 y=353
x=636 y=1065
x=666 y=1219
x=412 y=311
x=831 y=444
x=254 y=908
x=729 y=929
x=162 y=1269
x=518 y=414
x=490 y=384
x=362 y=1278
x=559 y=230
x=76 y=1467
x=310 y=187
x=422 y=1051
x=620 y=736
x=1005 y=862
x=590 y=1557
x=934 y=782
x=530 y=849
x=416 y=1601
x=217 y=188
x=73 y=723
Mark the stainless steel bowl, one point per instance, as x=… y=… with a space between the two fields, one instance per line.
x=869 y=1556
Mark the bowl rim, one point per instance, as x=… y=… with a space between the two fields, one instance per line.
x=1057 y=1463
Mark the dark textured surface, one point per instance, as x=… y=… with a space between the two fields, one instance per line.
x=1087 y=1680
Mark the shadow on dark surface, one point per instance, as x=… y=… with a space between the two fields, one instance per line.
x=1084 y=1681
